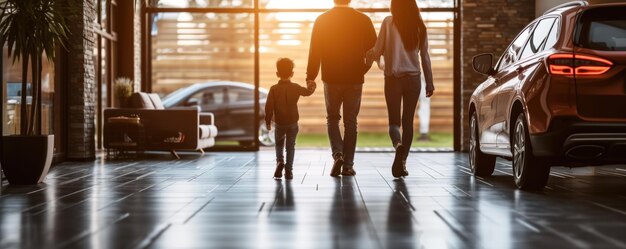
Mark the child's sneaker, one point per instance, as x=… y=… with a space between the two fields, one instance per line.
x=280 y=165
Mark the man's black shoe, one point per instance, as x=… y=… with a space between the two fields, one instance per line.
x=348 y=171
x=288 y=174
x=336 y=170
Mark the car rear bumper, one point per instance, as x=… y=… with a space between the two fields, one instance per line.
x=578 y=143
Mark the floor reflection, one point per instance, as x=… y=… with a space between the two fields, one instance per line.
x=400 y=218
x=284 y=196
x=229 y=200
x=348 y=216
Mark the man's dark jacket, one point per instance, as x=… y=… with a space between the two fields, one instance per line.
x=341 y=37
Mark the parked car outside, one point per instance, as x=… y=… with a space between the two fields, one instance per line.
x=557 y=95
x=232 y=103
x=14 y=92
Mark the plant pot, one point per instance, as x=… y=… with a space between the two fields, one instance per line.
x=121 y=103
x=26 y=159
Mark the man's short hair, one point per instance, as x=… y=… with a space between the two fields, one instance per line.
x=284 y=67
x=342 y=1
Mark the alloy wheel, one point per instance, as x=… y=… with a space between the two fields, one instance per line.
x=473 y=144
x=519 y=150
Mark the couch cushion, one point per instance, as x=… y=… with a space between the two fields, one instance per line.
x=156 y=101
x=141 y=100
x=207 y=131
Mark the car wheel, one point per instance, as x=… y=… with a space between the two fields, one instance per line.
x=266 y=137
x=529 y=172
x=481 y=164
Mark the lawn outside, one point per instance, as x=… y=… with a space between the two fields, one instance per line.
x=438 y=140
x=366 y=140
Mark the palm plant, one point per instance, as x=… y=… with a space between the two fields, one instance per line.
x=30 y=29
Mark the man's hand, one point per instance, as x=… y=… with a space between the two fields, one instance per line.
x=268 y=126
x=430 y=90
x=310 y=83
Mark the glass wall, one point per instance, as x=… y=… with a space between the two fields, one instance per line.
x=104 y=61
x=12 y=90
x=212 y=56
x=214 y=43
x=288 y=35
x=190 y=48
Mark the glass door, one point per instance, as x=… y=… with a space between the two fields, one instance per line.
x=195 y=44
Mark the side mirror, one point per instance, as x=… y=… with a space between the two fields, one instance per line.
x=192 y=102
x=483 y=63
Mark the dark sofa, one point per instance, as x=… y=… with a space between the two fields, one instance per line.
x=164 y=128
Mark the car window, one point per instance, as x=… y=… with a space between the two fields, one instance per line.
x=210 y=96
x=512 y=53
x=553 y=37
x=240 y=95
x=538 y=38
x=603 y=28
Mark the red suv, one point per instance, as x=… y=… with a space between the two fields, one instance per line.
x=557 y=95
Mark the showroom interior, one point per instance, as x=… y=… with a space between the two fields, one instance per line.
x=107 y=188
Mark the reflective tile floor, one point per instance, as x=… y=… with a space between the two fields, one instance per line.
x=229 y=200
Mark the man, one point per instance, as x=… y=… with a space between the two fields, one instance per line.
x=341 y=37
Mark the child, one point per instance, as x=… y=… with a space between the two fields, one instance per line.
x=282 y=105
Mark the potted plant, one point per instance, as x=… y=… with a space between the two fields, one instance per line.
x=30 y=29
x=123 y=88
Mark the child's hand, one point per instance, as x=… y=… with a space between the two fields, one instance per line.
x=268 y=126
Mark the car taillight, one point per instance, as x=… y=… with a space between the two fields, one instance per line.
x=579 y=65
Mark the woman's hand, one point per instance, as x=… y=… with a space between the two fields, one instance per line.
x=430 y=90
x=370 y=54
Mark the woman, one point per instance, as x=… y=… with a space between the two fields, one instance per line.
x=402 y=42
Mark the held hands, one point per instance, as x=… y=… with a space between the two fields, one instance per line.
x=371 y=55
x=371 y=58
x=430 y=90
x=311 y=84
x=268 y=126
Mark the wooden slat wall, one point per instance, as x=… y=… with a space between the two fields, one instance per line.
x=222 y=48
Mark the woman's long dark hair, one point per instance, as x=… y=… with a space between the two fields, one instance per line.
x=408 y=20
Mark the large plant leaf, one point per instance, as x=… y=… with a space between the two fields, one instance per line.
x=33 y=26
